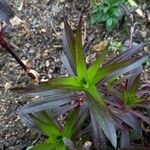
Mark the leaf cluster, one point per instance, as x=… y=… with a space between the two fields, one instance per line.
x=89 y=96
x=107 y=12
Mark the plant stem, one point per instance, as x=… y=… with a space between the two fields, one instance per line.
x=16 y=57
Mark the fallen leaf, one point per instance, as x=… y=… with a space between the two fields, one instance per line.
x=99 y=47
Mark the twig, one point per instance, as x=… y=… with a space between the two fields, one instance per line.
x=4 y=44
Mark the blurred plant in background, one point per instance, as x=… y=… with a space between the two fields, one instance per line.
x=110 y=12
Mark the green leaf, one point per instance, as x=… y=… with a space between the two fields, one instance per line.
x=131 y=99
x=50 y=129
x=104 y=17
x=109 y=22
x=109 y=28
x=60 y=146
x=96 y=65
x=44 y=146
x=94 y=94
x=70 y=83
x=105 y=9
x=117 y=12
x=70 y=124
x=103 y=72
x=99 y=109
x=80 y=59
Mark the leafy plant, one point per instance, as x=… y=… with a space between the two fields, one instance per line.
x=115 y=46
x=59 y=138
x=107 y=12
x=129 y=103
x=112 y=13
x=87 y=81
x=85 y=88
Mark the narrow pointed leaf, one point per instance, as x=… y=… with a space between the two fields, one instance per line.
x=99 y=137
x=44 y=146
x=144 y=104
x=83 y=114
x=135 y=85
x=5 y=12
x=103 y=117
x=69 y=44
x=103 y=120
x=45 y=104
x=131 y=79
x=80 y=59
x=63 y=83
x=125 y=139
x=128 y=118
x=70 y=124
x=96 y=65
x=140 y=115
x=67 y=64
x=54 y=105
x=126 y=54
x=60 y=146
x=49 y=129
x=94 y=94
x=103 y=72
x=69 y=143
x=117 y=69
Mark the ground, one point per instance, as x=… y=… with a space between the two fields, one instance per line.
x=38 y=41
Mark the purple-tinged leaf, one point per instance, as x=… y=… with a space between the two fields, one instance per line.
x=51 y=94
x=67 y=64
x=99 y=137
x=133 y=81
x=117 y=93
x=38 y=90
x=83 y=114
x=126 y=54
x=128 y=118
x=141 y=116
x=69 y=143
x=117 y=70
x=47 y=104
x=31 y=88
x=26 y=119
x=5 y=12
x=145 y=84
x=143 y=92
x=114 y=101
x=125 y=139
x=144 y=104
x=103 y=119
x=106 y=71
x=135 y=84
x=54 y=107
x=62 y=110
x=84 y=131
x=69 y=45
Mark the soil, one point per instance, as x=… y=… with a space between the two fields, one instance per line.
x=38 y=41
